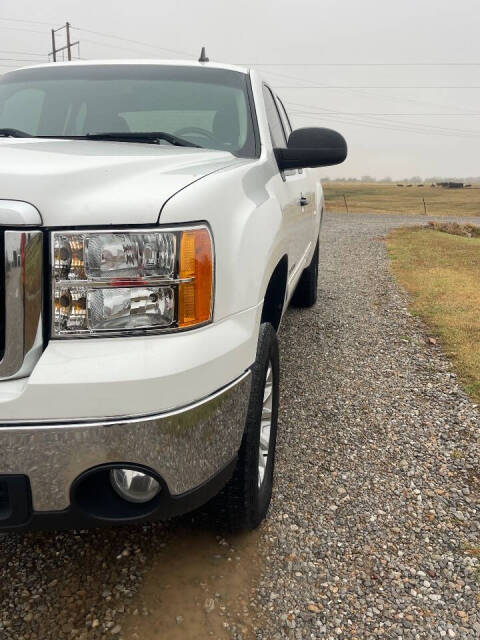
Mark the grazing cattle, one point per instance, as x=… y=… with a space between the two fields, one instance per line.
x=451 y=185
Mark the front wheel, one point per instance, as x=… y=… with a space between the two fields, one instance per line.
x=244 y=502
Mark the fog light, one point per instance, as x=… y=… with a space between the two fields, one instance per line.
x=134 y=486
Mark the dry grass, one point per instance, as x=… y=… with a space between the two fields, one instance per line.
x=388 y=198
x=456 y=229
x=442 y=273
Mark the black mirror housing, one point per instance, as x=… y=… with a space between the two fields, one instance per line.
x=312 y=147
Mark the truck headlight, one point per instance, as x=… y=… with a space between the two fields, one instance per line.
x=116 y=282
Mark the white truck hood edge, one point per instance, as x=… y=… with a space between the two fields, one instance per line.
x=87 y=182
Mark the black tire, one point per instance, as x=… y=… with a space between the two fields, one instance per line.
x=242 y=504
x=305 y=294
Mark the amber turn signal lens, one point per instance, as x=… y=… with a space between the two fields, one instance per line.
x=196 y=262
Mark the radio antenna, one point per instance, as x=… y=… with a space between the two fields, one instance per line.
x=203 y=56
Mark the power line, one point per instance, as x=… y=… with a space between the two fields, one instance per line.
x=98 y=33
x=269 y=64
x=26 y=53
x=417 y=125
x=12 y=66
x=384 y=127
x=358 y=91
x=113 y=46
x=376 y=113
x=314 y=110
x=360 y=64
x=21 y=59
x=325 y=86
x=391 y=125
x=26 y=21
x=369 y=95
x=137 y=42
x=23 y=29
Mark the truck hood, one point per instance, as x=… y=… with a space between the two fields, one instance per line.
x=87 y=182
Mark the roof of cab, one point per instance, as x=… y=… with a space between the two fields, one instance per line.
x=144 y=61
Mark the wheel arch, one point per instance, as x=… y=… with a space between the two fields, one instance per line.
x=274 y=299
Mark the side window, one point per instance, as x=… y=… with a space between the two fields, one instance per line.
x=287 y=126
x=285 y=119
x=275 y=124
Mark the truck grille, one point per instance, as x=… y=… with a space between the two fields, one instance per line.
x=21 y=296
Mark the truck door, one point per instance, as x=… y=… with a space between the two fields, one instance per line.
x=296 y=199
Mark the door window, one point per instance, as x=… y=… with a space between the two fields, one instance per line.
x=287 y=126
x=274 y=123
x=285 y=119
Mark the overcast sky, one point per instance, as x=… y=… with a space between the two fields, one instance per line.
x=285 y=39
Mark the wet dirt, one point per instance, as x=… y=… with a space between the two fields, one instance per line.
x=197 y=586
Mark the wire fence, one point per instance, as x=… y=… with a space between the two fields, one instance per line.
x=414 y=200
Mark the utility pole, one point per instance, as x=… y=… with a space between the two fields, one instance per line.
x=54 y=50
x=67 y=47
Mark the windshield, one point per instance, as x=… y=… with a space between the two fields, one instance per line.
x=205 y=106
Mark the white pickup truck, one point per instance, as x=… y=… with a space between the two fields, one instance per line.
x=157 y=218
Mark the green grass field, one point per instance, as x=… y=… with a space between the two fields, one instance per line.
x=364 y=197
x=442 y=274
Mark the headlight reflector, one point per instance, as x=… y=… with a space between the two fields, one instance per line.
x=142 y=307
x=118 y=255
x=106 y=282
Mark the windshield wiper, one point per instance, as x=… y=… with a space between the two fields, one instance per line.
x=142 y=136
x=14 y=133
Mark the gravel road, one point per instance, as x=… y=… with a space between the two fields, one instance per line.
x=374 y=530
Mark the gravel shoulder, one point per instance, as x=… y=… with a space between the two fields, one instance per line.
x=374 y=530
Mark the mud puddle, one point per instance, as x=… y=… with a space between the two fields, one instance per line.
x=198 y=586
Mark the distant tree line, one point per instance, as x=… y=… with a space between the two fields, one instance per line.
x=412 y=180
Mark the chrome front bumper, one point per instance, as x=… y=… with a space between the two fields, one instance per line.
x=186 y=447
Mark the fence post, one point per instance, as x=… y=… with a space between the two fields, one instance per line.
x=345 y=200
x=424 y=206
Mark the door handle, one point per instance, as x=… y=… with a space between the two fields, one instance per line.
x=303 y=201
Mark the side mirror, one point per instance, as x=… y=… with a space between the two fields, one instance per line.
x=312 y=147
